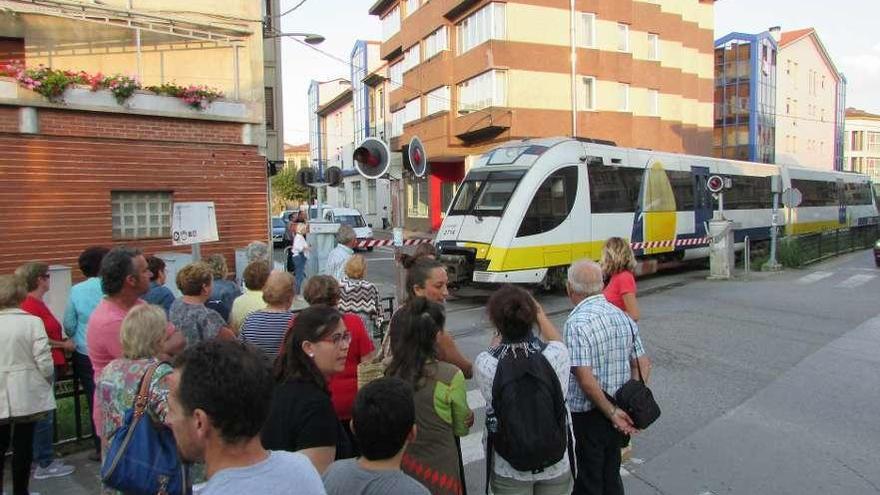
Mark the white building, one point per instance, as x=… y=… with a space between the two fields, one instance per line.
x=862 y=147
x=809 y=102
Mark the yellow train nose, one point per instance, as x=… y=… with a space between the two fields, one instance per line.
x=658 y=223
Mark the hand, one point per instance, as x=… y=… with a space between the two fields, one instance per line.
x=541 y=313
x=622 y=422
x=469 y=421
x=68 y=345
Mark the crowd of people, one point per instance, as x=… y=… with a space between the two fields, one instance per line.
x=260 y=386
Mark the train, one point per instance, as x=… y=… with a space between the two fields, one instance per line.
x=528 y=208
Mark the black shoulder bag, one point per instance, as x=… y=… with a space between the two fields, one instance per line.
x=636 y=399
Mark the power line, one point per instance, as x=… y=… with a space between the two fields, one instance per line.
x=298 y=5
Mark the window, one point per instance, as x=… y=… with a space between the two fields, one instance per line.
x=586 y=34
x=588 y=93
x=816 y=192
x=653 y=46
x=413 y=110
x=356 y=198
x=437 y=101
x=486 y=90
x=303 y=162
x=411 y=6
x=682 y=189
x=552 y=203
x=622 y=37
x=483 y=25
x=748 y=193
x=412 y=57
x=391 y=23
x=447 y=192
x=371 y=196
x=417 y=198
x=485 y=193
x=623 y=97
x=857 y=194
x=270 y=108
x=614 y=189
x=140 y=214
x=653 y=103
x=396 y=75
x=397 y=122
x=435 y=43
x=873 y=141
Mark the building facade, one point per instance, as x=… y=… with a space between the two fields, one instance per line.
x=862 y=143
x=467 y=75
x=810 y=100
x=296 y=156
x=745 y=97
x=273 y=94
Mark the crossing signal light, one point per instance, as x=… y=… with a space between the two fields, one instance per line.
x=305 y=176
x=418 y=158
x=333 y=176
x=372 y=158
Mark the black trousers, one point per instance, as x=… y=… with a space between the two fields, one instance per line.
x=597 y=450
x=22 y=434
x=82 y=370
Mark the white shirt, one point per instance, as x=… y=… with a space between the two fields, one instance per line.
x=484 y=373
x=299 y=245
x=336 y=261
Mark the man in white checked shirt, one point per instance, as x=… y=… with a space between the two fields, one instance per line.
x=604 y=344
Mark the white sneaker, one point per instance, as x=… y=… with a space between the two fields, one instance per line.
x=54 y=470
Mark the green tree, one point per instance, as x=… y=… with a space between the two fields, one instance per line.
x=284 y=186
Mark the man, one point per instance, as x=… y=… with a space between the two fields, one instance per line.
x=84 y=298
x=383 y=420
x=158 y=293
x=346 y=239
x=219 y=398
x=604 y=344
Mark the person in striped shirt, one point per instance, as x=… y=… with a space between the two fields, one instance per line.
x=265 y=328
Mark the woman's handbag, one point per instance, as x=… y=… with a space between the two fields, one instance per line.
x=373 y=369
x=142 y=458
x=636 y=399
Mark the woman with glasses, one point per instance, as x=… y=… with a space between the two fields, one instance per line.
x=301 y=418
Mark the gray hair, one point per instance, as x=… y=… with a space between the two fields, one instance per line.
x=257 y=250
x=345 y=234
x=585 y=278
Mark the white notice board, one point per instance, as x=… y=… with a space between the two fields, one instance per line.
x=193 y=223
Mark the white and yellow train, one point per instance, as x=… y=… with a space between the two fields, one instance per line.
x=528 y=208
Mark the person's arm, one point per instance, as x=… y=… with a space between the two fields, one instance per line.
x=225 y=334
x=321 y=457
x=590 y=386
x=462 y=416
x=548 y=330
x=631 y=306
x=642 y=363
x=69 y=319
x=449 y=352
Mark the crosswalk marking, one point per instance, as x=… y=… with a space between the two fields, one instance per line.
x=813 y=277
x=855 y=281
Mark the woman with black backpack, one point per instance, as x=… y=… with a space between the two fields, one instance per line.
x=524 y=380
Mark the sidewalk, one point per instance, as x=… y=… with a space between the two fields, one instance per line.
x=84 y=481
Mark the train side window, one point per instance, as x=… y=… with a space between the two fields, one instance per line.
x=748 y=193
x=614 y=189
x=857 y=194
x=551 y=204
x=682 y=189
x=816 y=192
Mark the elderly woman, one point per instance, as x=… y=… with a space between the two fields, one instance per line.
x=265 y=328
x=142 y=335
x=224 y=291
x=26 y=372
x=359 y=296
x=189 y=314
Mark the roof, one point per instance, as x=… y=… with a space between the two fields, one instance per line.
x=857 y=113
x=296 y=148
x=337 y=102
x=789 y=37
x=381 y=6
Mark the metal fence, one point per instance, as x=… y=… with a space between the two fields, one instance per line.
x=806 y=249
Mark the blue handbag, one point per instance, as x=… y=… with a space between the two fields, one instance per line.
x=142 y=458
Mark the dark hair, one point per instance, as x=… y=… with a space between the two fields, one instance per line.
x=156 y=265
x=413 y=334
x=311 y=324
x=418 y=271
x=512 y=311
x=382 y=416
x=321 y=289
x=117 y=264
x=426 y=249
x=231 y=382
x=256 y=274
x=89 y=260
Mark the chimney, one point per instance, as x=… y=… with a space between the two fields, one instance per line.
x=776 y=32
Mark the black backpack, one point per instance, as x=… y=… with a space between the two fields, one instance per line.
x=529 y=419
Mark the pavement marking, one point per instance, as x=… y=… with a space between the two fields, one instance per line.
x=380 y=259
x=855 y=281
x=475 y=399
x=813 y=277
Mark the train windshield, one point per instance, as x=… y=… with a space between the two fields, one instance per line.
x=485 y=193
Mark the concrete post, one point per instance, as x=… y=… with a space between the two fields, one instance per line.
x=721 y=255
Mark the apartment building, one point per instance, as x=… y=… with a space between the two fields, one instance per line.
x=296 y=156
x=466 y=75
x=862 y=143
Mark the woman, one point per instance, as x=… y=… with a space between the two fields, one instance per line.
x=324 y=289
x=265 y=328
x=618 y=263
x=36 y=277
x=299 y=251
x=189 y=314
x=442 y=412
x=26 y=373
x=360 y=296
x=514 y=313
x=142 y=335
x=224 y=291
x=158 y=293
x=301 y=418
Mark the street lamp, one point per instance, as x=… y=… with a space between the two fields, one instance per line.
x=310 y=38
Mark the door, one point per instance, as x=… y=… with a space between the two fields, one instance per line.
x=704 y=204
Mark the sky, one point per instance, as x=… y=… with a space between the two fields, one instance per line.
x=847 y=28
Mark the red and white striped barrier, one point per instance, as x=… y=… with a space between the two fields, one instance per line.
x=697 y=241
x=389 y=242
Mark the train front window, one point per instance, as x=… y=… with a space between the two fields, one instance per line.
x=494 y=196
x=485 y=194
x=465 y=198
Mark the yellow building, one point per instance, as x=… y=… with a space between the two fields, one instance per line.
x=296 y=156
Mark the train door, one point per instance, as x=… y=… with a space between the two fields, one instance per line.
x=704 y=204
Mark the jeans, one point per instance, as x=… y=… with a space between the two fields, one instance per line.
x=597 y=450
x=22 y=434
x=299 y=264
x=560 y=485
x=44 y=433
x=83 y=371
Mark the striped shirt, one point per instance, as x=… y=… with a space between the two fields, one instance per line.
x=265 y=330
x=600 y=336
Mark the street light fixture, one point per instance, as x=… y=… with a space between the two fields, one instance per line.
x=310 y=38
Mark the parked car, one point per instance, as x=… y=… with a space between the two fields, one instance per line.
x=278 y=227
x=354 y=219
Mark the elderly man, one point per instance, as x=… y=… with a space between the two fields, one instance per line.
x=338 y=257
x=605 y=346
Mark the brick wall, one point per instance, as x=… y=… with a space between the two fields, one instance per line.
x=55 y=186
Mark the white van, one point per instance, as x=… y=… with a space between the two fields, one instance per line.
x=352 y=218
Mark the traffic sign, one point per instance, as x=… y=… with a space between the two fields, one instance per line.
x=193 y=223
x=792 y=197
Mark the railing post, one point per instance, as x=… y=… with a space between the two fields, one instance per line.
x=748 y=256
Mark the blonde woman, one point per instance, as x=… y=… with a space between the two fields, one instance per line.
x=618 y=263
x=360 y=296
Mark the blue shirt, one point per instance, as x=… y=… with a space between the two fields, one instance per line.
x=599 y=335
x=336 y=261
x=160 y=296
x=84 y=298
